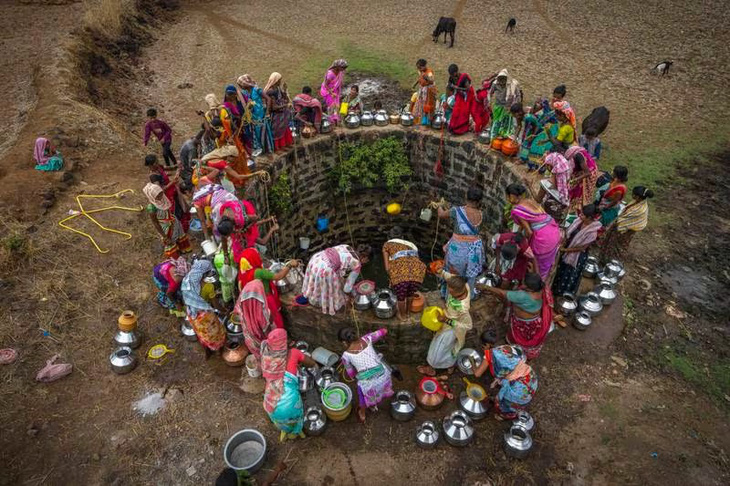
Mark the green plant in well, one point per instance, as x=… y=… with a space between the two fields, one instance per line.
x=280 y=196
x=368 y=165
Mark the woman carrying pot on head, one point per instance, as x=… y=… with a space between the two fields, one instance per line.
x=201 y=314
x=331 y=88
x=282 y=400
x=516 y=379
x=449 y=340
x=465 y=250
x=405 y=270
x=633 y=219
x=362 y=361
x=579 y=237
x=530 y=312
x=325 y=285
x=539 y=227
x=612 y=194
x=168 y=276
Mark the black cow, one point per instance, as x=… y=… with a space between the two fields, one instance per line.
x=446 y=25
x=598 y=120
x=511 y=26
x=663 y=67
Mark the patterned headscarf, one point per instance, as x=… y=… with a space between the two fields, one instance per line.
x=212 y=101
x=273 y=79
x=245 y=81
x=273 y=365
x=338 y=63
x=156 y=196
x=180 y=266
x=564 y=108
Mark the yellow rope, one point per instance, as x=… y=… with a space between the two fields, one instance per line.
x=436 y=205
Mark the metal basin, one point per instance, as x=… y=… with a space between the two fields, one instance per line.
x=464 y=363
x=245 y=451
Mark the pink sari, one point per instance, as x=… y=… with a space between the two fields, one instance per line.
x=585 y=190
x=330 y=91
x=545 y=239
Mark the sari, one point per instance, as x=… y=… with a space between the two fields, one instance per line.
x=46 y=158
x=324 y=284
x=465 y=249
x=331 y=90
x=616 y=240
x=517 y=380
x=609 y=213
x=582 y=193
x=449 y=340
x=530 y=333
x=463 y=106
x=529 y=130
x=545 y=238
x=303 y=102
x=280 y=118
x=425 y=103
x=570 y=268
x=260 y=127
x=162 y=274
x=502 y=98
x=163 y=210
x=253 y=309
x=200 y=313
x=374 y=383
x=560 y=167
x=282 y=400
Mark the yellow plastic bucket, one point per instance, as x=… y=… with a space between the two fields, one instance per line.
x=429 y=318
x=344 y=107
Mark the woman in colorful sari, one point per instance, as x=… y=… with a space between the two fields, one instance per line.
x=405 y=270
x=425 y=103
x=503 y=93
x=168 y=276
x=201 y=315
x=456 y=322
x=209 y=196
x=325 y=285
x=516 y=379
x=566 y=135
x=561 y=172
x=579 y=237
x=538 y=226
x=235 y=115
x=584 y=176
x=47 y=158
x=526 y=129
x=163 y=218
x=332 y=87
x=465 y=250
x=362 y=361
x=282 y=400
x=279 y=111
x=612 y=194
x=307 y=109
x=258 y=101
x=253 y=310
x=530 y=312
x=464 y=101
x=633 y=218
x=539 y=142
x=513 y=255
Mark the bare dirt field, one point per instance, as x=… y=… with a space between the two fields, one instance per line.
x=642 y=399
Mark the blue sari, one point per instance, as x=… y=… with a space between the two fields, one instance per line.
x=514 y=394
x=464 y=257
x=288 y=416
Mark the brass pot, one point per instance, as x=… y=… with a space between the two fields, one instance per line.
x=394 y=118
x=127 y=321
x=234 y=354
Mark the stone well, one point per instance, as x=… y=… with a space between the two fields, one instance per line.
x=465 y=163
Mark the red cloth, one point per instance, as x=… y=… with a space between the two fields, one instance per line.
x=481 y=111
x=285 y=141
x=463 y=107
x=254 y=259
x=295 y=357
x=519 y=269
x=274 y=303
x=252 y=232
x=530 y=335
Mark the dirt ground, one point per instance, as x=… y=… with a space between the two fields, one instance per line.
x=640 y=399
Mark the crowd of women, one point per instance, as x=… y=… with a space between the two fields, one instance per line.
x=539 y=254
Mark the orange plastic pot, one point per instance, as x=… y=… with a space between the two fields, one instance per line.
x=510 y=147
x=127 y=321
x=418 y=302
x=497 y=143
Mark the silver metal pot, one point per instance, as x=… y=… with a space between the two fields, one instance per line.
x=458 y=429
x=524 y=421
x=617 y=268
x=326 y=377
x=427 y=435
x=306 y=380
x=591 y=304
x=245 y=451
x=476 y=409
x=464 y=363
x=285 y=285
x=234 y=328
x=302 y=346
x=403 y=406
x=567 y=305
x=130 y=339
x=591 y=268
x=352 y=120
x=517 y=442
x=188 y=332
x=123 y=360
x=314 y=421
x=604 y=277
x=362 y=302
x=485 y=136
x=439 y=120
x=406 y=119
x=326 y=125
x=582 y=320
x=381 y=118
x=367 y=119
x=606 y=293
x=384 y=303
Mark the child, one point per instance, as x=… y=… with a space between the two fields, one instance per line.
x=456 y=320
x=354 y=102
x=591 y=143
x=446 y=103
x=163 y=133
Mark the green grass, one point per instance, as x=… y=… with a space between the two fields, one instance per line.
x=365 y=61
x=713 y=379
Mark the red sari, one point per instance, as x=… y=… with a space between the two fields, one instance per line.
x=463 y=107
x=249 y=263
x=530 y=334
